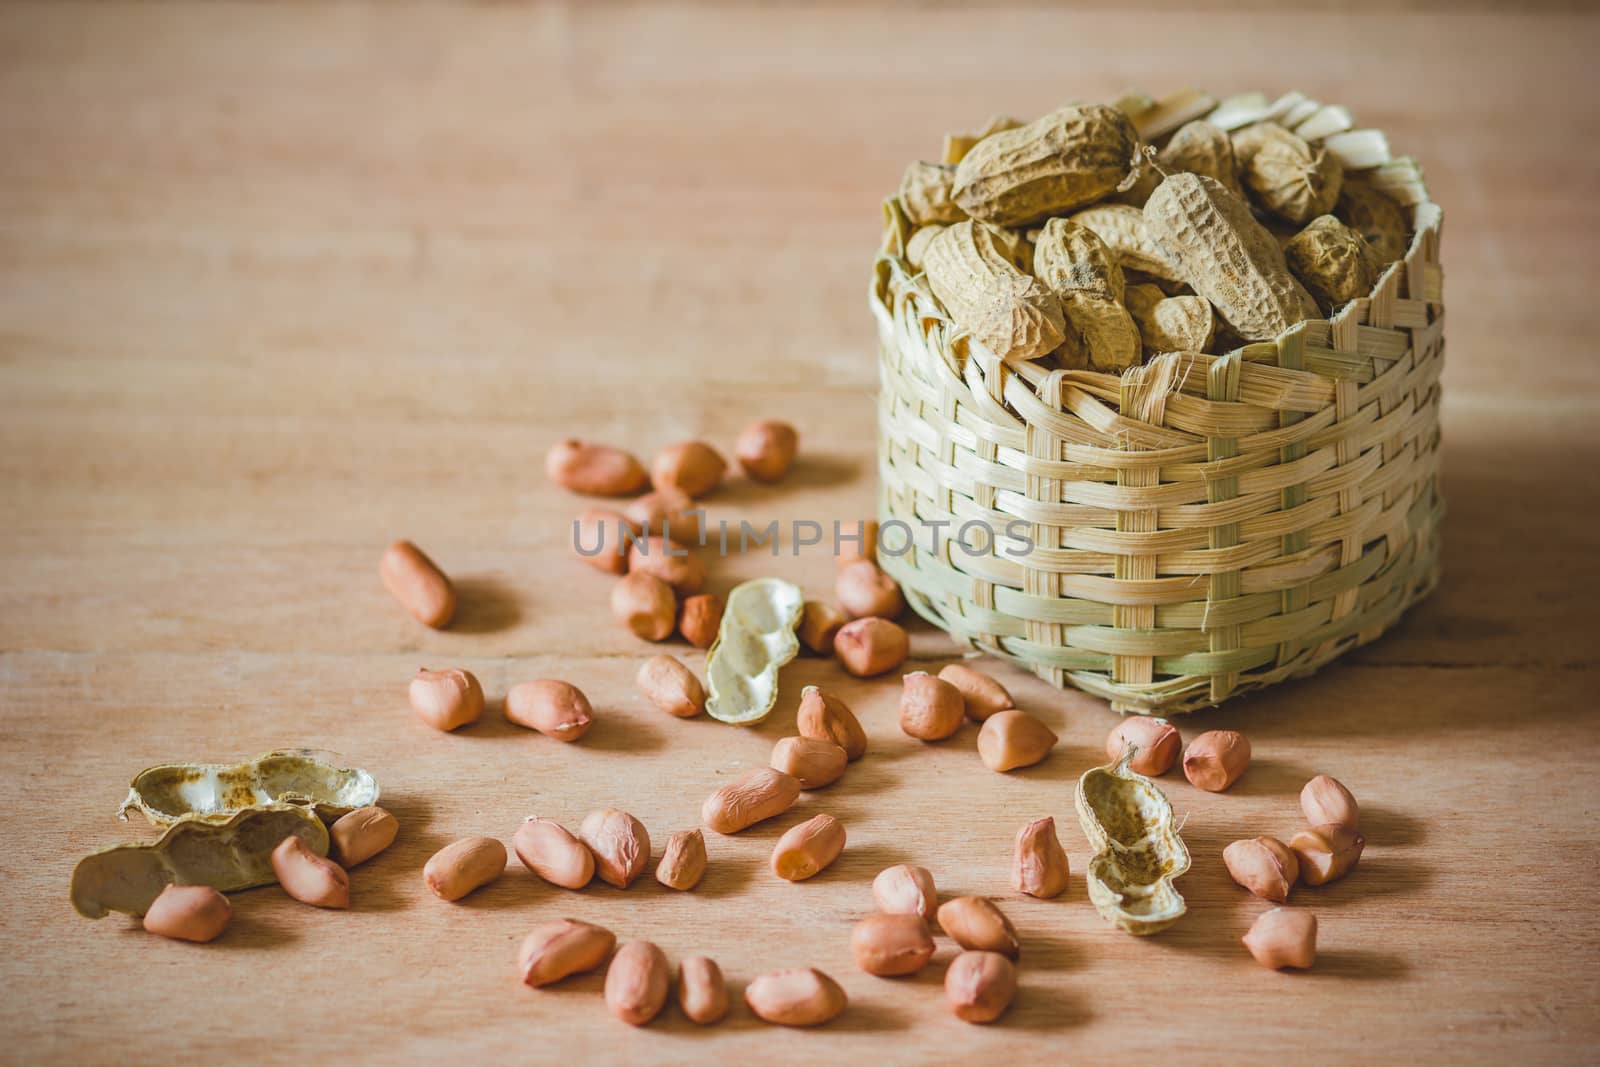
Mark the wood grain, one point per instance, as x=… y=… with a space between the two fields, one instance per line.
x=281 y=283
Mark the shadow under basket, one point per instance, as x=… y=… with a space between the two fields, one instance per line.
x=1198 y=526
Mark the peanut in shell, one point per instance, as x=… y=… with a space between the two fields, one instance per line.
x=975 y=277
x=1226 y=255
x=1069 y=158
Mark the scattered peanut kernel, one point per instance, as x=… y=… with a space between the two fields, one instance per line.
x=308 y=877
x=1283 y=937
x=983 y=696
x=979 y=986
x=814 y=763
x=824 y=717
x=1325 y=800
x=1263 y=865
x=555 y=708
x=446 y=699
x=819 y=625
x=766 y=450
x=1039 y=864
x=808 y=848
x=1327 y=853
x=645 y=605
x=931 y=709
x=418 y=584
x=1010 y=739
x=864 y=590
x=189 y=913
x=906 y=890
x=693 y=468
x=671 y=686
x=888 y=945
x=871 y=646
x=700 y=618
x=1216 y=759
x=597 y=470
x=463 y=866
x=1157 y=740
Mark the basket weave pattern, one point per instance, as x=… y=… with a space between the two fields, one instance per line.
x=1201 y=525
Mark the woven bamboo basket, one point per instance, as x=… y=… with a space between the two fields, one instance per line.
x=1200 y=526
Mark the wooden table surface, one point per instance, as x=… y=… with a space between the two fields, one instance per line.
x=279 y=284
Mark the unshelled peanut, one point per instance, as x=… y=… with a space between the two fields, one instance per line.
x=1069 y=257
x=917 y=245
x=1292 y=179
x=1122 y=228
x=1070 y=157
x=925 y=194
x=1198 y=147
x=1171 y=323
x=1332 y=261
x=1082 y=272
x=1226 y=255
x=1375 y=217
x=1007 y=311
